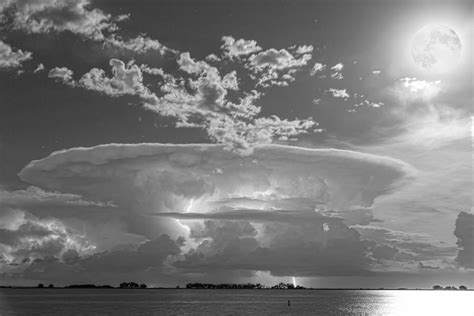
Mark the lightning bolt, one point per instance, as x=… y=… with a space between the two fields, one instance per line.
x=187 y=210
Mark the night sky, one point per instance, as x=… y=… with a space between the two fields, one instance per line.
x=236 y=141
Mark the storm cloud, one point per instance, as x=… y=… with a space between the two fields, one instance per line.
x=280 y=209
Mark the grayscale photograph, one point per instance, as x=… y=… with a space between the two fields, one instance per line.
x=236 y=157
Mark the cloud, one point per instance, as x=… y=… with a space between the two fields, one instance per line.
x=442 y=188
x=305 y=249
x=199 y=99
x=10 y=58
x=399 y=248
x=355 y=215
x=27 y=236
x=144 y=262
x=279 y=216
x=370 y=104
x=39 y=68
x=384 y=252
x=235 y=212
x=140 y=44
x=190 y=66
x=243 y=137
x=424 y=266
x=318 y=67
x=331 y=160
x=413 y=89
x=273 y=59
x=62 y=74
x=198 y=96
x=276 y=67
x=339 y=93
x=433 y=134
x=149 y=254
x=213 y=58
x=337 y=67
x=36 y=196
x=464 y=232
x=180 y=173
x=69 y=218
x=233 y=48
x=64 y=238
x=126 y=79
x=304 y=49
x=316 y=101
x=57 y=16
x=430 y=114
x=156 y=72
x=55 y=226
x=337 y=71
x=77 y=17
x=211 y=88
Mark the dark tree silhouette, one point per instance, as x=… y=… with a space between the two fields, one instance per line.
x=130 y=285
x=88 y=286
x=239 y=286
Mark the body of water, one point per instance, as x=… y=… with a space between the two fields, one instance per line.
x=234 y=302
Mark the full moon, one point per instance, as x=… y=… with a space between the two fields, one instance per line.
x=436 y=48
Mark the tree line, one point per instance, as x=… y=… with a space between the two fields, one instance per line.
x=449 y=287
x=241 y=286
x=123 y=285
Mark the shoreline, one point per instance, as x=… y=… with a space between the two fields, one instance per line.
x=213 y=289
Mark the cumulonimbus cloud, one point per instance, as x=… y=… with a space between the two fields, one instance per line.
x=204 y=192
x=352 y=178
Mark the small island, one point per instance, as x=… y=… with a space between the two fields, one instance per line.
x=281 y=285
x=123 y=285
x=450 y=288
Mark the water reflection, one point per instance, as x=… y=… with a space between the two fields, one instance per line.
x=235 y=302
x=434 y=303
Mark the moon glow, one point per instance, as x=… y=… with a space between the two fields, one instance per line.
x=436 y=48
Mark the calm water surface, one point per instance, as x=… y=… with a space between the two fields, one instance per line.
x=234 y=302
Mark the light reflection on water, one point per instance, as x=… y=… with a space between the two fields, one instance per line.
x=401 y=303
x=234 y=302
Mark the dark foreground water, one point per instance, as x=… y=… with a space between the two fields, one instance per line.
x=234 y=302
